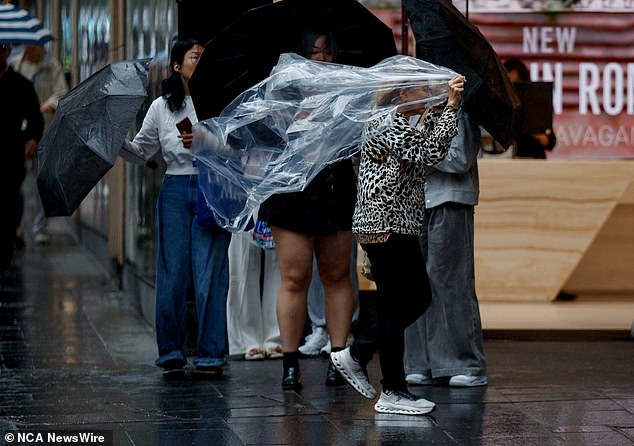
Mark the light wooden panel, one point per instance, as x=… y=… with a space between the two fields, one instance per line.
x=537 y=219
x=608 y=266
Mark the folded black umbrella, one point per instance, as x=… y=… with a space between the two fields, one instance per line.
x=245 y=52
x=445 y=37
x=88 y=129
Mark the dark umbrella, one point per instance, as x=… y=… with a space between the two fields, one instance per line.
x=87 y=132
x=245 y=52
x=445 y=37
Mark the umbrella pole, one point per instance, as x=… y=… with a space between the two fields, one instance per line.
x=404 y=31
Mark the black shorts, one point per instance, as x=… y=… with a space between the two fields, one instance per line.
x=324 y=207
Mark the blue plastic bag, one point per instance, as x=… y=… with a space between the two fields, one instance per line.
x=262 y=235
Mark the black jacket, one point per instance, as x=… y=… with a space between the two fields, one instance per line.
x=20 y=120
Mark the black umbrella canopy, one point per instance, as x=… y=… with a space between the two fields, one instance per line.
x=204 y=19
x=246 y=51
x=88 y=129
x=445 y=37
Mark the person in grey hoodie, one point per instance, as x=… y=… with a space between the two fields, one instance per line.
x=444 y=346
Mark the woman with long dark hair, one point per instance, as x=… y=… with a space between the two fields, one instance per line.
x=190 y=257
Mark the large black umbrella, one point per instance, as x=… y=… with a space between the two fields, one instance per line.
x=84 y=139
x=244 y=53
x=445 y=37
x=204 y=19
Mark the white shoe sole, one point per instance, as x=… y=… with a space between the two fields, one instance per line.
x=367 y=391
x=468 y=383
x=400 y=410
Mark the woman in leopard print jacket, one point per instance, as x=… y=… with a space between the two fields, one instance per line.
x=387 y=221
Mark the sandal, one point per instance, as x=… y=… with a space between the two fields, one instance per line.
x=274 y=352
x=254 y=354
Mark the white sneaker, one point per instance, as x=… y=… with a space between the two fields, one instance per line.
x=418 y=379
x=352 y=372
x=42 y=238
x=314 y=342
x=468 y=381
x=402 y=402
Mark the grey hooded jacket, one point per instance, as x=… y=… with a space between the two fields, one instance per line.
x=455 y=179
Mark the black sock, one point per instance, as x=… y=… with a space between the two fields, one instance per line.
x=336 y=349
x=290 y=359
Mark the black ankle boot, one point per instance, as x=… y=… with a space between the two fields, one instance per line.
x=291 y=380
x=333 y=377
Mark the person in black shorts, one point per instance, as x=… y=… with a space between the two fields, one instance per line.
x=316 y=221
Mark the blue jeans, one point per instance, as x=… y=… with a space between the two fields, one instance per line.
x=190 y=258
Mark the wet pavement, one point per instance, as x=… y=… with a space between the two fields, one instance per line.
x=75 y=355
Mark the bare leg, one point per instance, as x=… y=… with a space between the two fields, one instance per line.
x=295 y=255
x=333 y=261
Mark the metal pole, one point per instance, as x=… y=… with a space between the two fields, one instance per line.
x=56 y=29
x=74 y=73
x=404 y=31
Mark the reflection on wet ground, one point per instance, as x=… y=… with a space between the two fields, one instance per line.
x=76 y=355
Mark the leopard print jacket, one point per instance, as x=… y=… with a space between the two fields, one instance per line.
x=391 y=185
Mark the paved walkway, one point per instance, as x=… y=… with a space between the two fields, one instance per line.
x=76 y=356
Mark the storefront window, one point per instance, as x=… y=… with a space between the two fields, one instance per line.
x=579 y=47
x=66 y=37
x=151 y=29
x=93 y=29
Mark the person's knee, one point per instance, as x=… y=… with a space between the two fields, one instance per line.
x=335 y=278
x=296 y=281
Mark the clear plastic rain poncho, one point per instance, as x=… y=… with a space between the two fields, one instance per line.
x=275 y=137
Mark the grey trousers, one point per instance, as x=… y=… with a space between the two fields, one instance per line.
x=447 y=339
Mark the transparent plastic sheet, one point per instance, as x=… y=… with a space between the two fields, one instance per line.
x=275 y=137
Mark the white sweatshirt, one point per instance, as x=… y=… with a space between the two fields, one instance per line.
x=159 y=132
